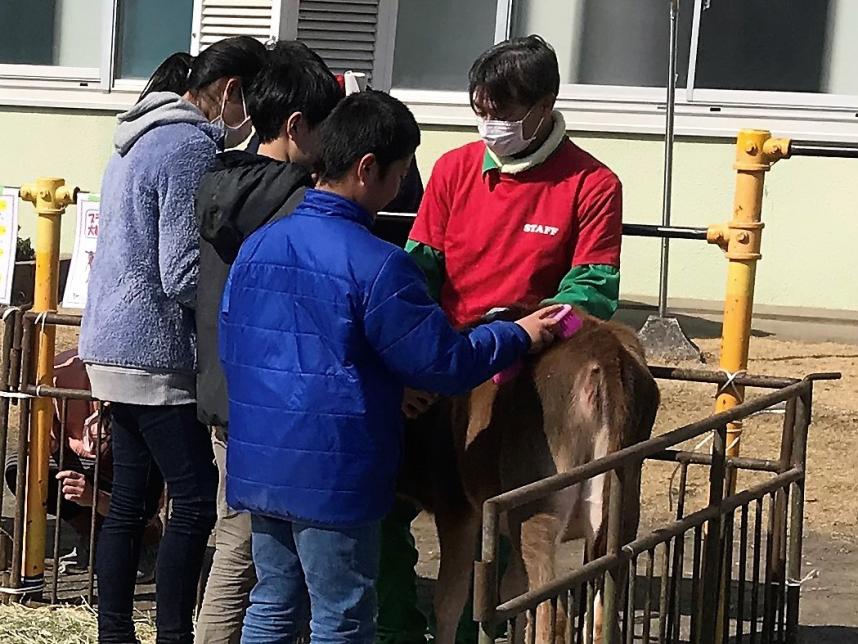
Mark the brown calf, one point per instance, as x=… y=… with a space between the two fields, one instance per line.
x=580 y=400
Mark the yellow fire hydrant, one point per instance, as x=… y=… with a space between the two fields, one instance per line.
x=51 y=197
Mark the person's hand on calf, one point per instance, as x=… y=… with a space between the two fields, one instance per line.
x=541 y=327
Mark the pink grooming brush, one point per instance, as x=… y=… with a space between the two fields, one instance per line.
x=568 y=324
x=507 y=374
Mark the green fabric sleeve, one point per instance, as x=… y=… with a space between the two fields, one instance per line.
x=431 y=262
x=595 y=288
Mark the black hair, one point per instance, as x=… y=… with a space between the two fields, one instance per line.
x=293 y=79
x=517 y=71
x=363 y=123
x=171 y=75
x=240 y=56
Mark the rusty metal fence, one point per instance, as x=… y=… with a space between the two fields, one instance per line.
x=17 y=388
x=728 y=572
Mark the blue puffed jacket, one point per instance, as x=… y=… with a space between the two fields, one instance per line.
x=322 y=324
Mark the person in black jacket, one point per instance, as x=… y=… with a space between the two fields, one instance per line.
x=406 y=201
x=289 y=98
x=246 y=189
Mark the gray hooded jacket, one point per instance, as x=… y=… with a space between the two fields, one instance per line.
x=138 y=336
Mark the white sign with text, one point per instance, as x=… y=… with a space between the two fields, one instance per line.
x=8 y=241
x=86 y=238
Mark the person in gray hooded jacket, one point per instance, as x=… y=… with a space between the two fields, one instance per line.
x=138 y=339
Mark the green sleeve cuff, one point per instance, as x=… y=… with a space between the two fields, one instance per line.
x=431 y=262
x=595 y=288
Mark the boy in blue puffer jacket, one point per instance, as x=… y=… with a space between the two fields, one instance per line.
x=322 y=325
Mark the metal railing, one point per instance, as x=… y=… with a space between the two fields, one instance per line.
x=815 y=149
x=16 y=380
x=664 y=231
x=699 y=598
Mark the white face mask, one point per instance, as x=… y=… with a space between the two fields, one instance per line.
x=506 y=138
x=233 y=134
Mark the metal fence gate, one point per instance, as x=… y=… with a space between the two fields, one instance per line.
x=728 y=572
x=17 y=388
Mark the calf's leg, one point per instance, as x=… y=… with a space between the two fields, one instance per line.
x=457 y=537
x=539 y=533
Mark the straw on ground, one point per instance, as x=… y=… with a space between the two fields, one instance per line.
x=51 y=624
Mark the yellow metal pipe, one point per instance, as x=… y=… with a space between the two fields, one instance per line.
x=756 y=151
x=50 y=197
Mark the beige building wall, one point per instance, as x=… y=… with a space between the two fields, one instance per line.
x=810 y=243
x=72 y=144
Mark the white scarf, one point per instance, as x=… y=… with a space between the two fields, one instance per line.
x=512 y=165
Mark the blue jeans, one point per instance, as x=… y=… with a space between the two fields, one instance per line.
x=327 y=574
x=152 y=445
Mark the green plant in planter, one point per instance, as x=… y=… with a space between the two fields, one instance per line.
x=24 y=251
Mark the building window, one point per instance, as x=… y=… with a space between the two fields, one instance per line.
x=437 y=41
x=89 y=42
x=607 y=42
x=789 y=54
x=51 y=38
x=785 y=64
x=147 y=32
x=799 y=52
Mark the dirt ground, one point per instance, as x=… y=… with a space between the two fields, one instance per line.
x=830 y=598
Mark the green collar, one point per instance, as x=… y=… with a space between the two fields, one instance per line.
x=489 y=162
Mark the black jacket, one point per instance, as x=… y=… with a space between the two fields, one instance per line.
x=410 y=192
x=241 y=193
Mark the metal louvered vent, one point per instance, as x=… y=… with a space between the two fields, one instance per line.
x=219 y=19
x=342 y=33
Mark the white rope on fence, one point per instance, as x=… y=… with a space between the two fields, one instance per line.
x=20 y=395
x=813 y=574
x=672 y=478
x=9 y=311
x=15 y=394
x=22 y=591
x=729 y=384
x=42 y=317
x=731 y=380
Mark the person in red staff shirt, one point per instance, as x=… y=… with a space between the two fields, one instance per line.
x=523 y=216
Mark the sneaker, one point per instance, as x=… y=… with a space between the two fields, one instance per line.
x=75 y=562
x=146 y=566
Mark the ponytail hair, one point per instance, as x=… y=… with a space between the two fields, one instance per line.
x=240 y=56
x=171 y=75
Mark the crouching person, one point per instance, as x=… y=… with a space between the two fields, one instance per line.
x=322 y=325
x=74 y=483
